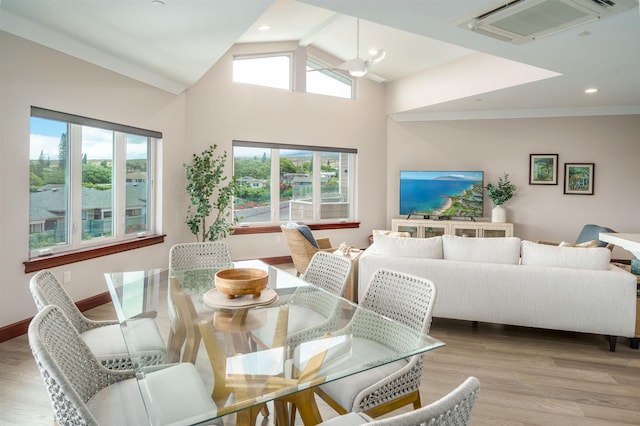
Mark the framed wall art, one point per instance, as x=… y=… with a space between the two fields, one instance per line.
x=543 y=169
x=578 y=178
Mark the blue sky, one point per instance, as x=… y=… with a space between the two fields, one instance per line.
x=96 y=143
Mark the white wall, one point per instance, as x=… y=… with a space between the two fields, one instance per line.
x=213 y=111
x=539 y=212
x=219 y=112
x=38 y=76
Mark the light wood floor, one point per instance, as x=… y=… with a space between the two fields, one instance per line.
x=528 y=376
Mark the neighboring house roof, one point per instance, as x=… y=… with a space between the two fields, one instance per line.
x=51 y=204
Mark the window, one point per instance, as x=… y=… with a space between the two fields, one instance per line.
x=325 y=81
x=276 y=71
x=279 y=183
x=270 y=71
x=90 y=182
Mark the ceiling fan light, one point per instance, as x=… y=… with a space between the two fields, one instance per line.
x=358 y=68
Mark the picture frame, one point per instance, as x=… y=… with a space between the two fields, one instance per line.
x=543 y=169
x=579 y=178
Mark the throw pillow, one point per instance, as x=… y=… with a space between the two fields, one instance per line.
x=305 y=231
x=391 y=233
x=567 y=257
x=428 y=248
x=489 y=250
x=586 y=244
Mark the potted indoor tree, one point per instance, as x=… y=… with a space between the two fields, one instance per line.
x=500 y=194
x=210 y=192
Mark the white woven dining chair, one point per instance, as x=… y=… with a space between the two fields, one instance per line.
x=407 y=299
x=200 y=255
x=83 y=392
x=453 y=409
x=313 y=312
x=201 y=260
x=104 y=338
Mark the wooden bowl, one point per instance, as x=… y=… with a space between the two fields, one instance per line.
x=240 y=281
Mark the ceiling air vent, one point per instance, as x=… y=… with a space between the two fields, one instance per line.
x=520 y=21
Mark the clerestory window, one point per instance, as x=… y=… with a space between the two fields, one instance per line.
x=325 y=81
x=279 y=183
x=270 y=71
x=91 y=182
x=277 y=70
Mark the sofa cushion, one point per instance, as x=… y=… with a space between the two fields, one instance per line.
x=429 y=248
x=491 y=250
x=568 y=257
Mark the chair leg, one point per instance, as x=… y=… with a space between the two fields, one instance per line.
x=612 y=343
x=280 y=408
x=412 y=398
x=292 y=415
x=174 y=347
x=307 y=407
x=332 y=403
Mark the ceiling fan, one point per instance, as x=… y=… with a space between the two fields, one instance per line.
x=357 y=67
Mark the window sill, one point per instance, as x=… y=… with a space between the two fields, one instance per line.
x=244 y=230
x=66 y=258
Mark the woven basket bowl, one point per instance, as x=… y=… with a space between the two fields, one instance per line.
x=241 y=281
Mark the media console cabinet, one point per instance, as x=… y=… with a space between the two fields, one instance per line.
x=425 y=228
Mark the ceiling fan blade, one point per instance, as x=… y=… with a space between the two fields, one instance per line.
x=378 y=57
x=321 y=69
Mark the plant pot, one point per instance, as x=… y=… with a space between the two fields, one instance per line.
x=498 y=214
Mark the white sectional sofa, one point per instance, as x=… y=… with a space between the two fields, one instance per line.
x=509 y=281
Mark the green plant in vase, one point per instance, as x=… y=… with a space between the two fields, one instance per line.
x=210 y=192
x=500 y=194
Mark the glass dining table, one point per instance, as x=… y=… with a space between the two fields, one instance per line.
x=251 y=350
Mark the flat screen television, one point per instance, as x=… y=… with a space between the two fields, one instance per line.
x=450 y=193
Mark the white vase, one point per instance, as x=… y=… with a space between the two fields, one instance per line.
x=498 y=214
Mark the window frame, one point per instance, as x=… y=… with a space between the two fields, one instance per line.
x=72 y=250
x=273 y=225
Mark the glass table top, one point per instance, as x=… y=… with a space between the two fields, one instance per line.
x=249 y=350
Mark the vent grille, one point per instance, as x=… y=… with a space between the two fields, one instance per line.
x=521 y=21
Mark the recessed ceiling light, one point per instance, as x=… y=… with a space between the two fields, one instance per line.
x=591 y=90
x=264 y=28
x=157 y=3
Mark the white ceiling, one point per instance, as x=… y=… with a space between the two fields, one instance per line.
x=444 y=67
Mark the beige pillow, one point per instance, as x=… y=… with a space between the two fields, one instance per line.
x=391 y=233
x=586 y=244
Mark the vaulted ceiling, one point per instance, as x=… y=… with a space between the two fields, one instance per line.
x=435 y=69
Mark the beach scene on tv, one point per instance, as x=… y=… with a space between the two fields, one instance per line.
x=441 y=193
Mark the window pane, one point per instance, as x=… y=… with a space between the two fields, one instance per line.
x=97 y=193
x=327 y=82
x=334 y=185
x=137 y=178
x=272 y=71
x=48 y=183
x=296 y=184
x=252 y=170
